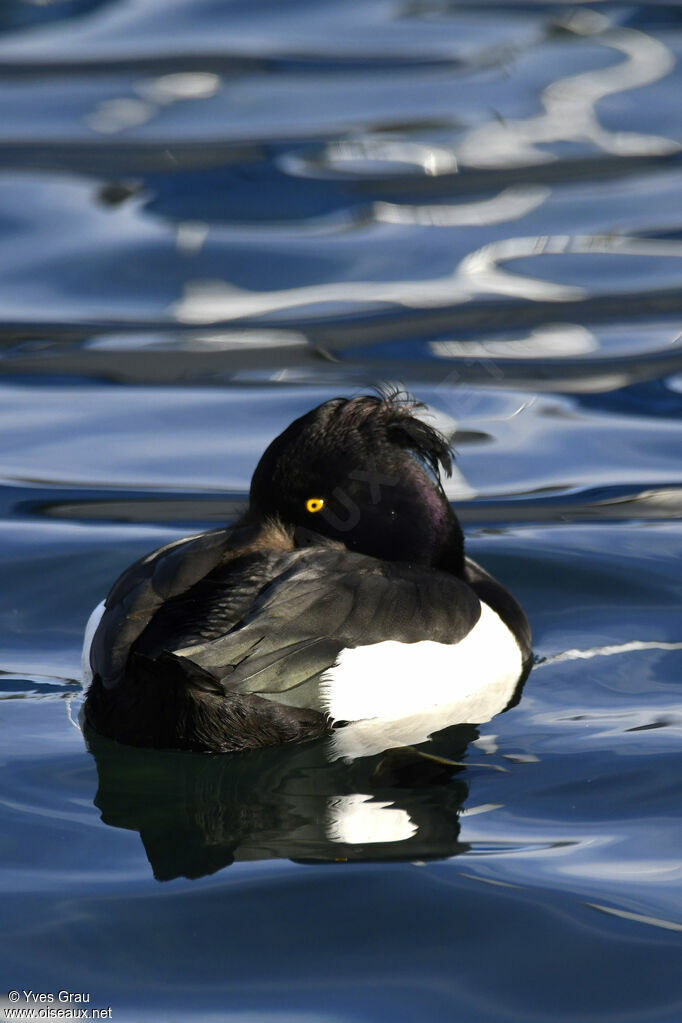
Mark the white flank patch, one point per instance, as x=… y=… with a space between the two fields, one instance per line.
x=398 y=694
x=90 y=630
x=356 y=820
x=394 y=680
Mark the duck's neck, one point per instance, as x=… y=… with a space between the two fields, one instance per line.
x=450 y=557
x=445 y=537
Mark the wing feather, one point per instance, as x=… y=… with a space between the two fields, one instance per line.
x=268 y=623
x=320 y=603
x=141 y=591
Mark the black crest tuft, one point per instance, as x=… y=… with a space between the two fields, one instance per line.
x=393 y=410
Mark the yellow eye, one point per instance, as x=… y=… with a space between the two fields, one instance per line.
x=314 y=504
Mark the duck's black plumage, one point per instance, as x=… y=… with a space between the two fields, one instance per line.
x=219 y=642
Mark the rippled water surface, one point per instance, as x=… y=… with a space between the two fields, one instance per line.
x=215 y=214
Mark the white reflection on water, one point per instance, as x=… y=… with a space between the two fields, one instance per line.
x=210 y=301
x=569 y=115
x=511 y=204
x=224 y=340
x=181 y=85
x=374 y=156
x=640 y=918
x=483 y=265
x=190 y=236
x=115 y=115
x=474 y=811
x=358 y=819
x=607 y=651
x=570 y=105
x=551 y=340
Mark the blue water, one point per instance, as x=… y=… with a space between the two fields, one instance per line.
x=213 y=216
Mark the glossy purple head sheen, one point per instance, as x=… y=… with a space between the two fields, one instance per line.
x=375 y=468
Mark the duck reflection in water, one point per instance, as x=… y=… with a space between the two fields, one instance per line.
x=197 y=814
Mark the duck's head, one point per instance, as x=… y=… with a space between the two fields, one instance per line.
x=365 y=472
